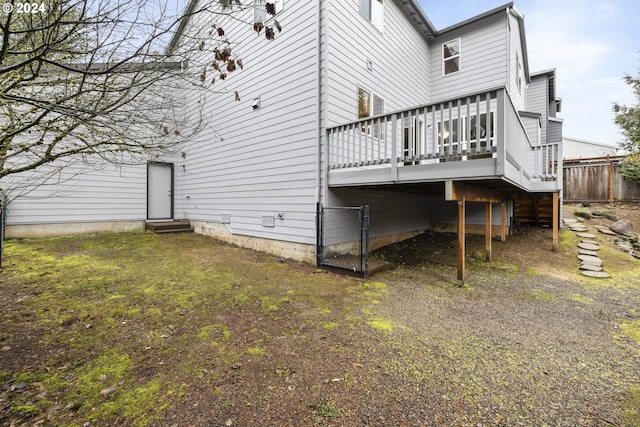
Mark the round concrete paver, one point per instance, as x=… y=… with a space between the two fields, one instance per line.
x=586 y=252
x=607 y=231
x=569 y=220
x=596 y=274
x=587 y=236
x=579 y=229
x=591 y=260
x=590 y=267
x=589 y=246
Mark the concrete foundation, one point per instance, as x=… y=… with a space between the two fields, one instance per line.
x=34 y=231
x=290 y=250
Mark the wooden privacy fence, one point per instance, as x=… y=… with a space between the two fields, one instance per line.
x=597 y=180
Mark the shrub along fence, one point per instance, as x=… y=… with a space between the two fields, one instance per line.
x=597 y=180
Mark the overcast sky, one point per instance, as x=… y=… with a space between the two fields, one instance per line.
x=591 y=44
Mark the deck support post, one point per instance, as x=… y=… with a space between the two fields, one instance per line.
x=394 y=148
x=488 y=231
x=503 y=222
x=461 y=239
x=555 y=220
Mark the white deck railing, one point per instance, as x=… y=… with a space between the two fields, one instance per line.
x=479 y=126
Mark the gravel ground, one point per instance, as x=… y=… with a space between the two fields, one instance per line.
x=213 y=335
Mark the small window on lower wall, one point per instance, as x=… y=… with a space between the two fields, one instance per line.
x=369 y=104
x=451 y=57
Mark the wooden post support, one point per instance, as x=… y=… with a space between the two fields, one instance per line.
x=556 y=220
x=488 y=231
x=461 y=239
x=503 y=222
x=611 y=172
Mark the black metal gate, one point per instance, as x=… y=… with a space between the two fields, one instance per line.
x=343 y=238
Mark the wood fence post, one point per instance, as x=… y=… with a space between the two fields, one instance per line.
x=611 y=173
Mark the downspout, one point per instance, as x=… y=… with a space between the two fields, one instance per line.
x=319 y=104
x=318 y=235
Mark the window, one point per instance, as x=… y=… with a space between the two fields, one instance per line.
x=373 y=10
x=370 y=104
x=260 y=9
x=451 y=56
x=519 y=76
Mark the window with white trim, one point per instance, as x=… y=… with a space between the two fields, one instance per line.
x=260 y=9
x=451 y=57
x=370 y=104
x=519 y=75
x=373 y=10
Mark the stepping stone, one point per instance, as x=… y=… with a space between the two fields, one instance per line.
x=607 y=231
x=593 y=242
x=589 y=246
x=596 y=274
x=590 y=267
x=579 y=229
x=587 y=235
x=569 y=220
x=586 y=252
x=591 y=260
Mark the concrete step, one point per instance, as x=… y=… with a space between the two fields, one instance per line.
x=169 y=227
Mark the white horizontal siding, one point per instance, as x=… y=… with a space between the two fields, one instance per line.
x=399 y=56
x=483 y=59
x=249 y=164
x=390 y=212
x=515 y=54
x=537 y=102
x=80 y=195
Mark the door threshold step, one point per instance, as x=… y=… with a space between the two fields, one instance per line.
x=169 y=227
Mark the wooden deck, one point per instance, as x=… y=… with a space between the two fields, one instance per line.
x=477 y=137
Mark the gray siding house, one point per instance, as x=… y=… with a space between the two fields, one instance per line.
x=356 y=102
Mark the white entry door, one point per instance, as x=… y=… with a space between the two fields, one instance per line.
x=160 y=191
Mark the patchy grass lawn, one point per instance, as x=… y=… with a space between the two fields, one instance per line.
x=182 y=330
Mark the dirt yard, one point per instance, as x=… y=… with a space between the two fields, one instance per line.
x=137 y=329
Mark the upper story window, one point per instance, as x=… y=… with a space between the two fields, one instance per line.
x=451 y=57
x=373 y=10
x=260 y=8
x=519 y=77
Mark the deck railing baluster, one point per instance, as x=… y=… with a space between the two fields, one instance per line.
x=465 y=128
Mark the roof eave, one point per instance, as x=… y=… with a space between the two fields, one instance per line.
x=420 y=19
x=499 y=9
x=173 y=43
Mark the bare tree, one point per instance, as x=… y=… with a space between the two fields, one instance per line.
x=104 y=80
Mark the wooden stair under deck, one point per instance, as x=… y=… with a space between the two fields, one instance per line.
x=168 y=227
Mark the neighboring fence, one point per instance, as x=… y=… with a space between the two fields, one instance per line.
x=343 y=238
x=597 y=180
